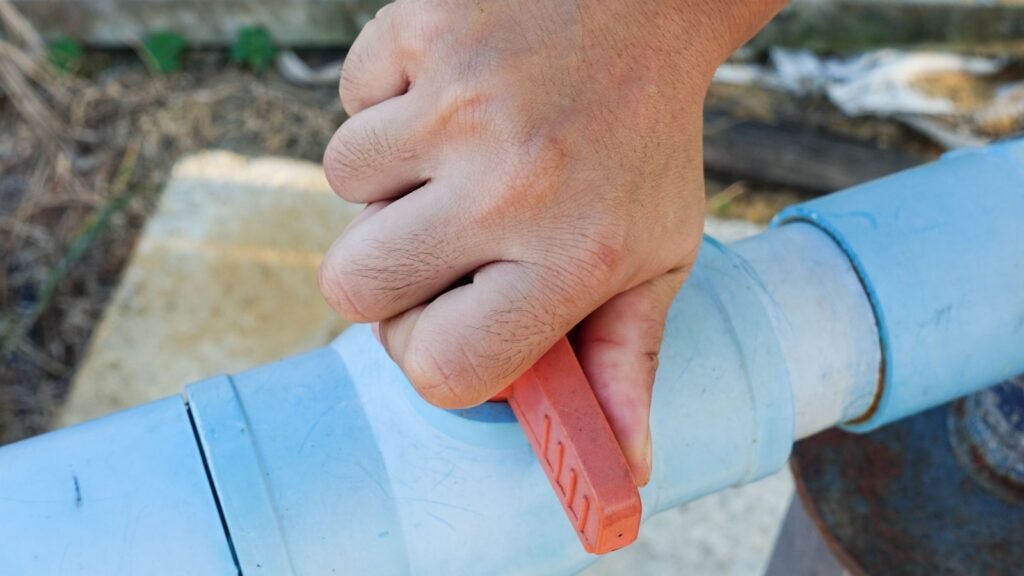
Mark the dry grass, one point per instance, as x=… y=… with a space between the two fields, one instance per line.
x=82 y=159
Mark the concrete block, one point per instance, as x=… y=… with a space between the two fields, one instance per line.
x=223 y=278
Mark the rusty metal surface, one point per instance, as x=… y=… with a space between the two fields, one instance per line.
x=897 y=502
x=987 y=433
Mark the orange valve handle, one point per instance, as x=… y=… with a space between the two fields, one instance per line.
x=577 y=449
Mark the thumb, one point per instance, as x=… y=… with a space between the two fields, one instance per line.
x=618 y=347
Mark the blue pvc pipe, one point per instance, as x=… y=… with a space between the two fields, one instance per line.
x=121 y=495
x=940 y=250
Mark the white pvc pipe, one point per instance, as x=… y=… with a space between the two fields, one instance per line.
x=825 y=322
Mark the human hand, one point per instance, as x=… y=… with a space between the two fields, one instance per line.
x=529 y=167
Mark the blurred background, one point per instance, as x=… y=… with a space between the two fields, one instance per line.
x=133 y=260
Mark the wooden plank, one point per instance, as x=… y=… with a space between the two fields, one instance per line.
x=796 y=157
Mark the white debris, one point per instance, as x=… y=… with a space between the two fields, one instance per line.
x=883 y=83
x=296 y=71
x=880 y=83
x=948 y=137
x=893 y=83
x=801 y=72
x=746 y=74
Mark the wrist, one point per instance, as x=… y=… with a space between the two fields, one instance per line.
x=684 y=39
x=707 y=33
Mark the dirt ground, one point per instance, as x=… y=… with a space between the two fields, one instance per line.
x=74 y=198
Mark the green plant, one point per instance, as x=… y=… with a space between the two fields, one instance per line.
x=254 y=48
x=162 y=51
x=65 y=54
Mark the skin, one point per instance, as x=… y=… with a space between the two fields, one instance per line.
x=530 y=168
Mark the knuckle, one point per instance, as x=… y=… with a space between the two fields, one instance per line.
x=352 y=83
x=342 y=165
x=521 y=330
x=553 y=149
x=603 y=249
x=359 y=151
x=465 y=107
x=539 y=168
x=386 y=10
x=337 y=290
x=357 y=67
x=419 y=28
x=333 y=167
x=442 y=379
x=404 y=261
x=582 y=262
x=545 y=149
x=584 y=257
x=367 y=277
x=378 y=54
x=520 y=189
